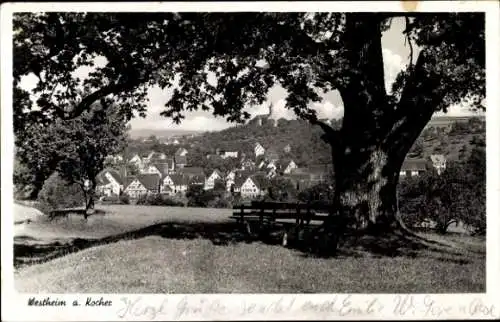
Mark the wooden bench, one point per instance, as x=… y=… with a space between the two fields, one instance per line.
x=57 y=213
x=269 y=213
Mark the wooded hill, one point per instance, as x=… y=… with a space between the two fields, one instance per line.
x=306 y=146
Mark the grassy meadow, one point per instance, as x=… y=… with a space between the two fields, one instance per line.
x=145 y=249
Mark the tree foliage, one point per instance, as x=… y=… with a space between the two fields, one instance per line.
x=59 y=193
x=303 y=52
x=75 y=148
x=458 y=195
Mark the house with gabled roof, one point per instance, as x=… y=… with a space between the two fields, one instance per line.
x=228 y=150
x=161 y=169
x=413 y=167
x=254 y=186
x=258 y=149
x=286 y=166
x=181 y=152
x=247 y=165
x=180 y=161
x=143 y=184
x=137 y=160
x=193 y=171
x=210 y=181
x=109 y=182
x=230 y=178
x=174 y=183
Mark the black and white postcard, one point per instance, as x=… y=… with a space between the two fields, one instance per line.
x=250 y=160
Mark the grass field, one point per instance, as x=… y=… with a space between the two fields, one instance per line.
x=139 y=249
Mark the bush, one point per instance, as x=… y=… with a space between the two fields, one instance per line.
x=159 y=200
x=458 y=194
x=124 y=199
x=320 y=192
x=220 y=202
x=58 y=193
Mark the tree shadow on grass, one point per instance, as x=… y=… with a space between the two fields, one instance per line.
x=27 y=251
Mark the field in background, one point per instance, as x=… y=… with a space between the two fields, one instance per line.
x=145 y=249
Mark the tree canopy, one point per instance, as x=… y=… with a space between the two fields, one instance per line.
x=247 y=52
x=75 y=148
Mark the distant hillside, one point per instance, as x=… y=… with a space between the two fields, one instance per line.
x=453 y=137
x=305 y=142
x=448 y=120
x=162 y=133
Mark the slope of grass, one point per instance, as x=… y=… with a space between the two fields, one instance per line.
x=159 y=265
x=118 y=219
x=166 y=249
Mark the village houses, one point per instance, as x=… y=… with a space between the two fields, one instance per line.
x=181 y=152
x=174 y=183
x=253 y=186
x=109 y=182
x=229 y=154
x=413 y=167
x=230 y=177
x=137 y=160
x=161 y=169
x=286 y=166
x=247 y=165
x=210 y=181
x=143 y=184
x=259 y=149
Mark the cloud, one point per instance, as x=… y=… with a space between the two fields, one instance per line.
x=203 y=122
x=393 y=65
x=327 y=110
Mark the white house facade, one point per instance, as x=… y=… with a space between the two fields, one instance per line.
x=135 y=189
x=173 y=184
x=259 y=149
x=288 y=169
x=136 y=159
x=181 y=152
x=249 y=189
x=229 y=154
x=210 y=181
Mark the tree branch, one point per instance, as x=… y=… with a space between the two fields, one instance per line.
x=330 y=136
x=87 y=101
x=418 y=102
x=408 y=38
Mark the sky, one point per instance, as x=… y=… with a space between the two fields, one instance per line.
x=395 y=54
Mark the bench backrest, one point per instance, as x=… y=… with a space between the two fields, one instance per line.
x=272 y=205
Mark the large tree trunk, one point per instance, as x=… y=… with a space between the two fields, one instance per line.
x=366 y=181
x=376 y=134
x=90 y=198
